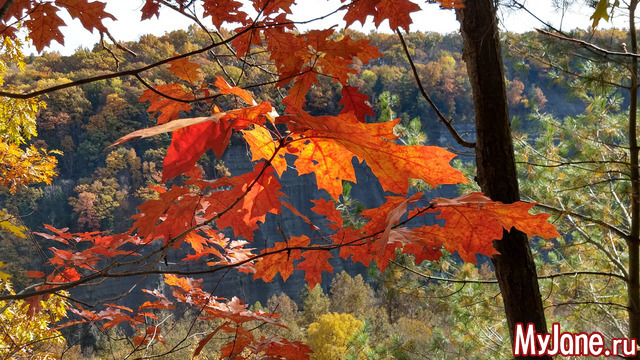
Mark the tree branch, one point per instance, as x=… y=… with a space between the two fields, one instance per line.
x=589 y=45
x=5 y=8
x=602 y=223
x=441 y=117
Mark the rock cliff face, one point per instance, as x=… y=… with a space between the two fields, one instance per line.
x=300 y=190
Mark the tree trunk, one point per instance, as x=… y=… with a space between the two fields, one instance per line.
x=634 y=240
x=497 y=176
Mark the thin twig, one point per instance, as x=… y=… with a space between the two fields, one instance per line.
x=441 y=116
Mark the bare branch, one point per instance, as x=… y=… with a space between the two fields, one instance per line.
x=441 y=116
x=589 y=45
x=602 y=223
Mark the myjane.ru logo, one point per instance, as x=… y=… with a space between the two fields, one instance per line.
x=531 y=343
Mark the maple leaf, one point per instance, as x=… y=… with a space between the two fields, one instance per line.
x=150 y=8
x=263 y=147
x=355 y=102
x=152 y=210
x=393 y=164
x=298 y=92
x=190 y=143
x=268 y=7
x=328 y=209
x=314 y=263
x=329 y=161
x=358 y=11
x=44 y=26
x=185 y=69
x=222 y=11
x=281 y=349
x=397 y=11
x=515 y=215
x=169 y=109
x=90 y=14
x=267 y=267
x=227 y=89
x=167 y=127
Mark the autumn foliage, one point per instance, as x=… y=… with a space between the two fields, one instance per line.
x=217 y=218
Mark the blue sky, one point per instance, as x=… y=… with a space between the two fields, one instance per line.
x=129 y=27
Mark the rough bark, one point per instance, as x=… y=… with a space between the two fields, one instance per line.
x=497 y=176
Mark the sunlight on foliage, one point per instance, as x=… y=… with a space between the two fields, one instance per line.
x=329 y=336
x=30 y=336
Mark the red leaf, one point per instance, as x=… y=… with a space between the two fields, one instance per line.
x=152 y=210
x=168 y=127
x=44 y=26
x=150 y=8
x=298 y=92
x=190 y=143
x=314 y=263
x=355 y=102
x=35 y=274
x=298 y=214
x=358 y=11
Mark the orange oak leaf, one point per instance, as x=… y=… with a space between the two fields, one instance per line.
x=314 y=263
x=169 y=109
x=281 y=349
x=268 y=7
x=90 y=14
x=185 y=69
x=44 y=26
x=355 y=102
x=35 y=274
x=451 y=4
x=17 y=9
x=242 y=43
x=279 y=259
x=383 y=218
